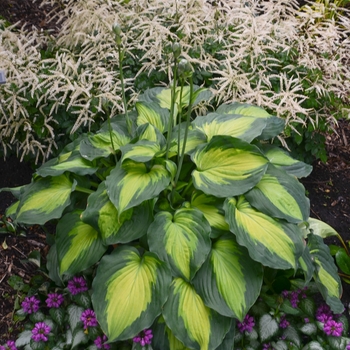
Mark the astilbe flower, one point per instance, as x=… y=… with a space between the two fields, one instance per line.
x=99 y=342
x=144 y=337
x=30 y=304
x=333 y=328
x=77 y=285
x=40 y=332
x=88 y=317
x=54 y=300
x=247 y=324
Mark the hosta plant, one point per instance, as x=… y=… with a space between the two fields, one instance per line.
x=182 y=216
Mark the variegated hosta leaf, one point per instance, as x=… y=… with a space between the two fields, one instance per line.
x=129 y=291
x=320 y=228
x=280 y=195
x=11 y=210
x=326 y=274
x=227 y=166
x=44 y=199
x=229 y=281
x=131 y=183
x=150 y=133
x=212 y=208
x=163 y=337
x=142 y=151
x=70 y=160
x=100 y=144
x=227 y=343
x=16 y=192
x=78 y=244
x=194 y=138
x=281 y=159
x=103 y=216
x=271 y=242
x=243 y=127
x=192 y=322
x=152 y=113
x=151 y=143
x=181 y=239
x=307 y=265
x=162 y=96
x=273 y=127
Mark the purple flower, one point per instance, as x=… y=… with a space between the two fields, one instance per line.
x=306 y=320
x=283 y=322
x=294 y=296
x=348 y=347
x=333 y=328
x=77 y=285
x=54 y=300
x=30 y=305
x=267 y=346
x=40 y=332
x=11 y=345
x=285 y=294
x=324 y=313
x=89 y=318
x=99 y=342
x=144 y=337
x=247 y=324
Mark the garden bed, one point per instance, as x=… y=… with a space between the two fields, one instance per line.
x=328 y=188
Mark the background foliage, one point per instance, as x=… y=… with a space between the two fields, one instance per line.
x=292 y=62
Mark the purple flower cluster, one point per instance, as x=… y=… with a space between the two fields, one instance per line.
x=330 y=325
x=333 y=328
x=294 y=296
x=30 y=305
x=54 y=300
x=10 y=345
x=100 y=342
x=246 y=325
x=283 y=322
x=40 y=332
x=144 y=337
x=88 y=317
x=77 y=285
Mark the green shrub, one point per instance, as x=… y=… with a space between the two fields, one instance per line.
x=183 y=219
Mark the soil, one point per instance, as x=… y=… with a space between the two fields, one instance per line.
x=328 y=188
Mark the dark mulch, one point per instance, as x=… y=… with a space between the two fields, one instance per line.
x=328 y=188
x=28 y=13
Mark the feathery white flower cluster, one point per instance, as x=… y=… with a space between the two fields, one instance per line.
x=260 y=52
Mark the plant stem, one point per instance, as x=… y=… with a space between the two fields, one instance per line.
x=179 y=120
x=172 y=107
x=120 y=56
x=188 y=119
x=84 y=190
x=343 y=243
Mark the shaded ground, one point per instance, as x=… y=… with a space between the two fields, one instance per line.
x=28 y=13
x=328 y=188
